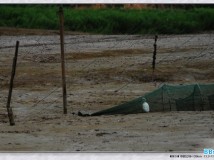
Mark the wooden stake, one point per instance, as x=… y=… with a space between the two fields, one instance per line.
x=61 y=19
x=154 y=57
x=9 y=109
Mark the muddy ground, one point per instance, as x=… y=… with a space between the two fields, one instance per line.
x=101 y=72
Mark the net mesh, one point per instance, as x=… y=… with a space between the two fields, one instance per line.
x=192 y=97
x=131 y=107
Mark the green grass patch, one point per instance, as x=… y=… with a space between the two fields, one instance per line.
x=110 y=21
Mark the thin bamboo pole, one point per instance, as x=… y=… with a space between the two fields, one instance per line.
x=61 y=19
x=154 y=57
x=9 y=109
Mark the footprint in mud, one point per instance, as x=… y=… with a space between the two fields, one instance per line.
x=3 y=121
x=27 y=131
x=104 y=133
x=105 y=141
x=101 y=134
x=195 y=145
x=163 y=126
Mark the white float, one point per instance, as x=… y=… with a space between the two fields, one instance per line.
x=145 y=107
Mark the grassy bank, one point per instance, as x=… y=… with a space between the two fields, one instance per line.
x=110 y=21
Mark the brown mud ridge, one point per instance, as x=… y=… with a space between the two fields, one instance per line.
x=23 y=31
x=101 y=72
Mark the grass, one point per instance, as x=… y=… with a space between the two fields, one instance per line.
x=110 y=20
